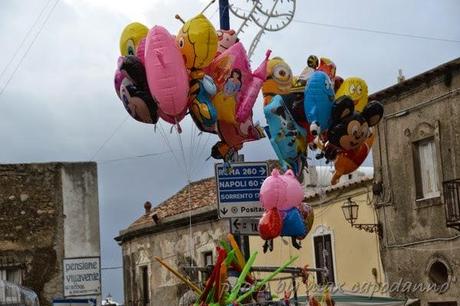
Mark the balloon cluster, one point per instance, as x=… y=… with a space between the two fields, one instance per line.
x=200 y=71
x=285 y=214
x=321 y=111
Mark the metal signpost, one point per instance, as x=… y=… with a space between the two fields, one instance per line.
x=238 y=189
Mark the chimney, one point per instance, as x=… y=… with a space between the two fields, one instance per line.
x=148 y=208
x=401 y=76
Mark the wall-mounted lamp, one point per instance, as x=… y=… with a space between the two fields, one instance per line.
x=350 y=212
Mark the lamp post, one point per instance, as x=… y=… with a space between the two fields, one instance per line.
x=350 y=212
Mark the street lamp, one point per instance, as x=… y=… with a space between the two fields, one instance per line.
x=350 y=212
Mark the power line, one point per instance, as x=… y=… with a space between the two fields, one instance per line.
x=375 y=31
x=134 y=157
x=360 y=29
x=25 y=39
x=29 y=47
x=110 y=137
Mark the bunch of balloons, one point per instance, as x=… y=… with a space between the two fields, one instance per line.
x=285 y=214
x=321 y=111
x=200 y=71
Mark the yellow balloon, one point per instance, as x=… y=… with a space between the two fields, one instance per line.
x=225 y=107
x=356 y=88
x=131 y=36
x=197 y=40
x=279 y=79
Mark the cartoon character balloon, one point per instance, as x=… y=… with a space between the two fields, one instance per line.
x=319 y=98
x=226 y=39
x=348 y=161
x=132 y=89
x=356 y=89
x=279 y=79
x=282 y=195
x=288 y=139
x=131 y=36
x=350 y=128
x=197 y=41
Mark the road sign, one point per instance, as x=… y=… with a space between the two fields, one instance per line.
x=244 y=226
x=238 y=189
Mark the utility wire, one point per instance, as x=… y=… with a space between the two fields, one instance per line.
x=28 y=48
x=376 y=31
x=134 y=157
x=110 y=137
x=360 y=29
x=21 y=45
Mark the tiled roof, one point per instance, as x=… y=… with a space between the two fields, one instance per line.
x=203 y=193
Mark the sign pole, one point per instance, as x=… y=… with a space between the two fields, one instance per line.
x=224 y=15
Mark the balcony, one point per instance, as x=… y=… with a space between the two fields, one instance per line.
x=452 y=203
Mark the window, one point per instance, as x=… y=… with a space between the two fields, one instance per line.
x=324 y=258
x=145 y=285
x=207 y=261
x=207 y=258
x=426 y=169
x=13 y=275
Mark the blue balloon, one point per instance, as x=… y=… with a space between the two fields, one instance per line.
x=319 y=98
x=287 y=138
x=293 y=224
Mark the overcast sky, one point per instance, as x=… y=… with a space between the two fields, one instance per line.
x=61 y=106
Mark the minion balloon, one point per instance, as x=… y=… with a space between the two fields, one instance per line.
x=279 y=79
x=355 y=88
x=131 y=37
x=197 y=40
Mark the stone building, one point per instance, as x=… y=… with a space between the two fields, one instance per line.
x=48 y=213
x=417 y=170
x=180 y=230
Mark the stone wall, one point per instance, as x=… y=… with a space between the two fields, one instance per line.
x=42 y=205
x=415 y=232
x=31 y=225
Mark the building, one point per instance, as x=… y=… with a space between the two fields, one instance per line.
x=351 y=255
x=49 y=227
x=167 y=230
x=417 y=170
x=182 y=230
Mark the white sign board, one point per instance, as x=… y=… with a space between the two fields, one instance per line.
x=82 y=276
x=238 y=189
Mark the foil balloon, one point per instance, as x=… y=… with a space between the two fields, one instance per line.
x=322 y=64
x=350 y=128
x=319 y=98
x=140 y=51
x=248 y=97
x=288 y=139
x=281 y=191
x=308 y=216
x=270 y=224
x=293 y=224
x=202 y=110
x=197 y=41
x=166 y=73
x=348 y=161
x=225 y=39
x=233 y=136
x=132 y=89
x=131 y=36
x=356 y=89
x=278 y=81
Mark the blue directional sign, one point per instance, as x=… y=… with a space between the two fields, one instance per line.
x=238 y=189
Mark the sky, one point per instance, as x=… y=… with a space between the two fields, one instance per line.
x=60 y=104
